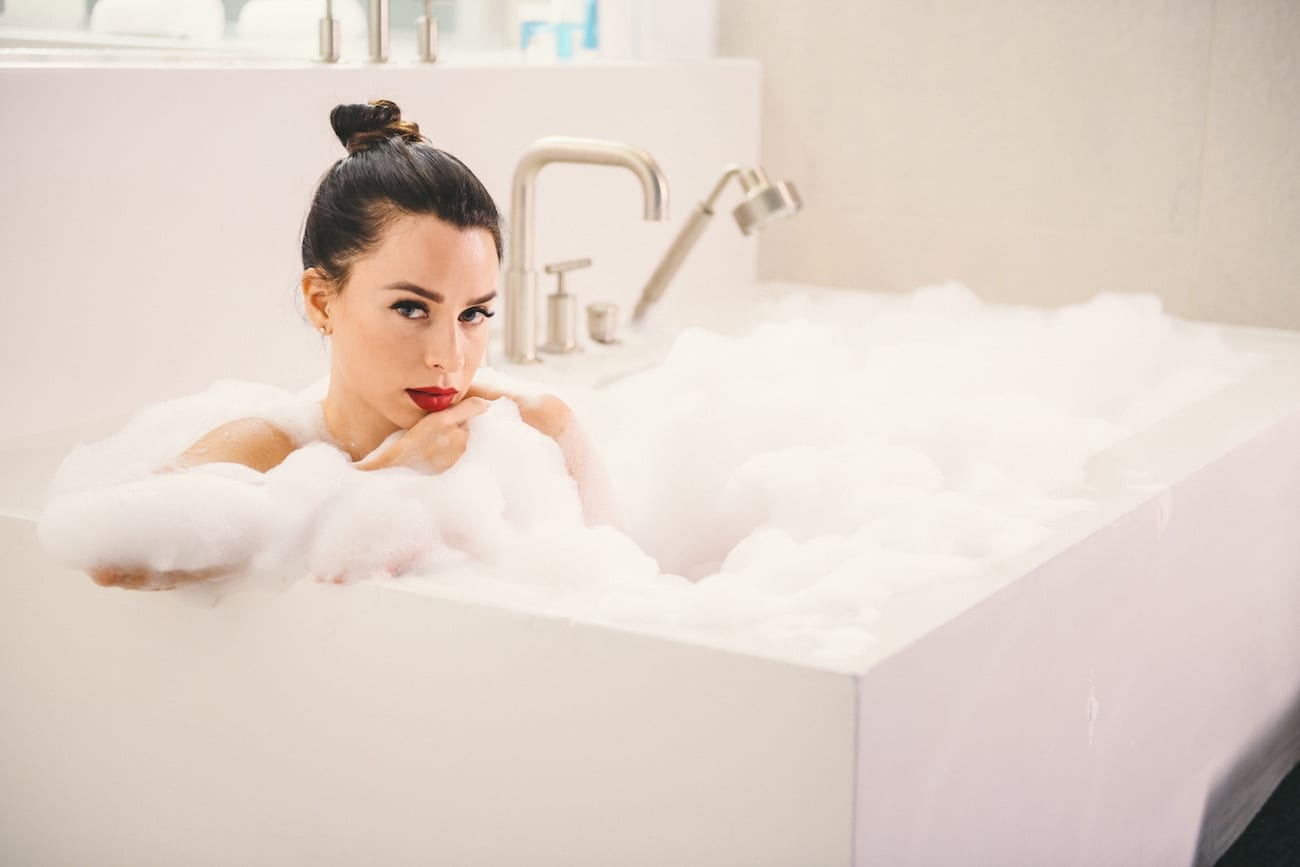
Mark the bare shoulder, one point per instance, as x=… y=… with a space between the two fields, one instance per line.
x=253 y=442
x=547 y=413
x=544 y=412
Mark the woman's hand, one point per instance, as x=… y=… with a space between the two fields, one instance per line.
x=140 y=578
x=432 y=444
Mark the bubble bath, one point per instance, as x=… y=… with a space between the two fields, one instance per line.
x=785 y=484
x=870 y=553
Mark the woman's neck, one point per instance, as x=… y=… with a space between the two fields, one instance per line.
x=352 y=426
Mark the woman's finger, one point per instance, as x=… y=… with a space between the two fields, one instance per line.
x=456 y=414
x=478 y=389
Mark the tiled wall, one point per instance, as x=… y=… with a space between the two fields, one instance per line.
x=1038 y=151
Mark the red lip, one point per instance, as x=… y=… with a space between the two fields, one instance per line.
x=432 y=399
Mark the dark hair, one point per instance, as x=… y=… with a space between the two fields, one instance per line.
x=390 y=171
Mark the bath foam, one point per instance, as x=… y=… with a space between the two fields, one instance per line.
x=314 y=513
x=788 y=482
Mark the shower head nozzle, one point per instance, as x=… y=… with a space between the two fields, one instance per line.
x=764 y=201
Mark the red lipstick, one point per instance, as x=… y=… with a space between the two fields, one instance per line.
x=432 y=399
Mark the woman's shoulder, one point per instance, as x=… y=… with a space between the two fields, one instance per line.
x=544 y=412
x=253 y=442
x=547 y=413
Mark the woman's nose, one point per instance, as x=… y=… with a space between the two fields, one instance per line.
x=444 y=348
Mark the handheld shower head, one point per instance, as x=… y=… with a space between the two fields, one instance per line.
x=763 y=203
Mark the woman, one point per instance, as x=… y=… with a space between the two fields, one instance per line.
x=401 y=253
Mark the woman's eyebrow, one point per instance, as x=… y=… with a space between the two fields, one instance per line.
x=485 y=299
x=406 y=286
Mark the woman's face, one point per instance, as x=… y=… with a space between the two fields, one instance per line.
x=409 y=328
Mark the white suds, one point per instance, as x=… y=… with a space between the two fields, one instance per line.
x=787 y=484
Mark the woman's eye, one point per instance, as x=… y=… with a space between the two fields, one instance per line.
x=411 y=309
x=476 y=315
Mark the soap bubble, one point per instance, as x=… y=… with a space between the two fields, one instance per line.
x=852 y=465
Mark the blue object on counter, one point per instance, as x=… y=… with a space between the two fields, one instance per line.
x=591 y=30
x=564 y=39
x=529 y=29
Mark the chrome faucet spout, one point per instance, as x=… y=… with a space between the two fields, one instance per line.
x=521 y=277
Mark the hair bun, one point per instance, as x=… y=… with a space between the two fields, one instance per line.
x=361 y=125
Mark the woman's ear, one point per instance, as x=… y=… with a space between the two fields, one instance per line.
x=316 y=295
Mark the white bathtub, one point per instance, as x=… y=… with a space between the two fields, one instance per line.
x=1126 y=692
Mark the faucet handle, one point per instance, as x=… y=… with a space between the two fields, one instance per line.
x=570 y=265
x=561 y=268
x=426 y=32
x=562 y=310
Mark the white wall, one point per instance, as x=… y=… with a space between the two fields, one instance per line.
x=150 y=218
x=1041 y=152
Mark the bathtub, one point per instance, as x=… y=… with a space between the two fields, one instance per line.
x=1128 y=691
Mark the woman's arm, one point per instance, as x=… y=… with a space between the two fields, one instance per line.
x=252 y=442
x=148 y=579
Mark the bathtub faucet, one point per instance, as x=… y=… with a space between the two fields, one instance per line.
x=521 y=279
x=377 y=28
